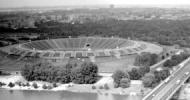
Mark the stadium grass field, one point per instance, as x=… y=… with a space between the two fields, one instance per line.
x=104 y=52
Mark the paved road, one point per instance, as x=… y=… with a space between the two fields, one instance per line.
x=173 y=89
x=159 y=64
x=166 y=89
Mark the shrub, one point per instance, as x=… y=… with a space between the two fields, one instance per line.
x=35 y=85
x=23 y=84
x=101 y=87
x=116 y=85
x=70 y=85
x=2 y=84
x=11 y=84
x=44 y=86
x=49 y=87
x=106 y=87
x=54 y=85
x=27 y=84
x=19 y=83
x=125 y=83
x=93 y=87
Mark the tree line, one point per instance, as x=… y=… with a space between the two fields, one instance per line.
x=175 y=60
x=85 y=73
x=166 y=32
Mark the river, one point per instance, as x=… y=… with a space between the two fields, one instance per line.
x=61 y=95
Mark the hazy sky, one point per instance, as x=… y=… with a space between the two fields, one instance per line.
x=26 y=3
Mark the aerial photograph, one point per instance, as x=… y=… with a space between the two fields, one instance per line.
x=94 y=49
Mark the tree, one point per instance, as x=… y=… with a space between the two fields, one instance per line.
x=54 y=85
x=146 y=59
x=161 y=75
x=18 y=83
x=169 y=63
x=44 y=86
x=26 y=71
x=175 y=60
x=11 y=85
x=27 y=84
x=85 y=74
x=35 y=85
x=76 y=76
x=63 y=75
x=124 y=82
x=49 y=87
x=135 y=74
x=2 y=84
x=118 y=75
x=143 y=70
x=148 y=80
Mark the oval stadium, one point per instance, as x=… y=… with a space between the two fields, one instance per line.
x=109 y=54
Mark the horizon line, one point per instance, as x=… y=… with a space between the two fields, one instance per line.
x=104 y=6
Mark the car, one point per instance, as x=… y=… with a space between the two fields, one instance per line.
x=167 y=80
x=174 y=68
x=153 y=95
x=186 y=73
x=178 y=81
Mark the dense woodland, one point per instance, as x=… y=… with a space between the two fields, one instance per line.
x=167 y=32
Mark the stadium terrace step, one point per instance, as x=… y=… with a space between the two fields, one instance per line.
x=79 y=47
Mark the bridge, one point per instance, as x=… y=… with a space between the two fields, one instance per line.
x=165 y=90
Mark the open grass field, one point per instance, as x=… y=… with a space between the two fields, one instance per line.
x=112 y=64
x=107 y=64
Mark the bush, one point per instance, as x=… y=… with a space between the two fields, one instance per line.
x=125 y=83
x=116 y=85
x=54 y=85
x=23 y=84
x=93 y=87
x=106 y=87
x=19 y=83
x=11 y=84
x=44 y=86
x=101 y=87
x=27 y=84
x=35 y=85
x=2 y=84
x=49 y=87
x=4 y=73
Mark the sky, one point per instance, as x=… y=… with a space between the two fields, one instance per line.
x=30 y=3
